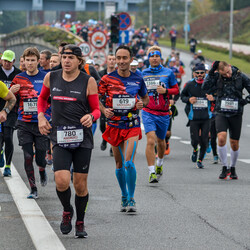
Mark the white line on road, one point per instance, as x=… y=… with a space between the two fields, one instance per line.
x=186 y=142
x=41 y=233
x=245 y=160
x=175 y=137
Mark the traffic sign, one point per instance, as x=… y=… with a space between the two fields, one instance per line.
x=85 y=47
x=125 y=20
x=100 y=57
x=124 y=36
x=98 y=39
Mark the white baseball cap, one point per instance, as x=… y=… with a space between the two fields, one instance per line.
x=134 y=63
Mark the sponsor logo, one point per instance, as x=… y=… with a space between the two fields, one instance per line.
x=56 y=89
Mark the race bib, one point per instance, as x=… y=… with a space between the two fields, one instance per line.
x=229 y=105
x=30 y=106
x=70 y=136
x=123 y=103
x=202 y=103
x=152 y=84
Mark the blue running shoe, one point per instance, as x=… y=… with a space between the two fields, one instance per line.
x=7 y=172
x=216 y=159
x=199 y=164
x=2 y=163
x=131 y=208
x=33 y=194
x=209 y=148
x=194 y=155
x=124 y=204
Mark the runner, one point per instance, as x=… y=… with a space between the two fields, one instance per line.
x=45 y=56
x=199 y=114
x=27 y=86
x=75 y=106
x=7 y=73
x=161 y=83
x=10 y=101
x=123 y=131
x=110 y=68
x=226 y=83
x=54 y=61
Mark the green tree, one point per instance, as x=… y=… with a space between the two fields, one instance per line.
x=200 y=8
x=11 y=21
x=221 y=5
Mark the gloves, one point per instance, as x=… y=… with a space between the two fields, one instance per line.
x=214 y=67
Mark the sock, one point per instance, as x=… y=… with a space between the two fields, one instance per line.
x=234 y=157
x=42 y=172
x=130 y=178
x=151 y=169
x=159 y=162
x=81 y=204
x=121 y=178
x=29 y=169
x=223 y=154
x=64 y=197
x=7 y=166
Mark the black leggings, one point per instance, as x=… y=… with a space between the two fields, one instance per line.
x=213 y=136
x=28 y=161
x=199 y=131
x=6 y=137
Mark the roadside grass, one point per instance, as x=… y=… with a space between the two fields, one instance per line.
x=212 y=55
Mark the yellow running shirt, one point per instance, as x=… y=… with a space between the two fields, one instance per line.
x=3 y=90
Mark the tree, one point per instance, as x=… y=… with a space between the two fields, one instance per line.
x=200 y=8
x=11 y=21
x=224 y=5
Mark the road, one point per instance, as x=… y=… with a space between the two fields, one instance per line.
x=189 y=208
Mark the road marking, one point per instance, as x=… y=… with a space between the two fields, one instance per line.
x=186 y=142
x=41 y=233
x=245 y=160
x=248 y=125
x=175 y=137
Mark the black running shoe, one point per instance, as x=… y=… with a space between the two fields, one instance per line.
x=103 y=145
x=224 y=173
x=233 y=175
x=194 y=156
x=66 y=225
x=80 y=230
x=43 y=178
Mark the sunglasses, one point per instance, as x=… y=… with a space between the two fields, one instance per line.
x=199 y=72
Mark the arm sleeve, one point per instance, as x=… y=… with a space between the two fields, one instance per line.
x=94 y=106
x=246 y=82
x=174 y=90
x=209 y=84
x=42 y=102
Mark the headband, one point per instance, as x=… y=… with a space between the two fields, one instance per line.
x=154 y=53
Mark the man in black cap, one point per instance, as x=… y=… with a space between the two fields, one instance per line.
x=198 y=112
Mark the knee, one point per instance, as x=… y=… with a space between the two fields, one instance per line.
x=81 y=189
x=151 y=142
x=62 y=183
x=129 y=165
x=234 y=145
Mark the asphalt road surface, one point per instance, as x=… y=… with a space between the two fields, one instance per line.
x=189 y=208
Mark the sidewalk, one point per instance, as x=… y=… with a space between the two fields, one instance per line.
x=236 y=47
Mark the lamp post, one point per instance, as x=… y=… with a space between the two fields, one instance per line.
x=150 y=16
x=231 y=29
x=186 y=22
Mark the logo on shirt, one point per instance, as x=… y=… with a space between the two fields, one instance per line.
x=38 y=81
x=75 y=92
x=56 y=89
x=132 y=83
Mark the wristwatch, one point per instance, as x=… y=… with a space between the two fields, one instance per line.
x=93 y=118
x=6 y=110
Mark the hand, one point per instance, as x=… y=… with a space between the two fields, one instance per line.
x=3 y=116
x=139 y=105
x=192 y=100
x=86 y=120
x=214 y=67
x=43 y=125
x=210 y=97
x=161 y=90
x=108 y=112
x=171 y=101
x=15 y=88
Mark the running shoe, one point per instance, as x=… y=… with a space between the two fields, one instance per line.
x=33 y=194
x=199 y=164
x=158 y=171
x=216 y=159
x=153 y=178
x=2 y=163
x=49 y=162
x=233 y=175
x=209 y=148
x=194 y=155
x=167 y=151
x=80 y=230
x=103 y=145
x=43 y=178
x=131 y=208
x=7 y=172
x=66 y=225
x=124 y=204
x=224 y=173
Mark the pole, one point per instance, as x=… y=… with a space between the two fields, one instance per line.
x=99 y=10
x=186 y=23
x=150 y=16
x=231 y=29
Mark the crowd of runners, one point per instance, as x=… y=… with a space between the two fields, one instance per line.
x=55 y=99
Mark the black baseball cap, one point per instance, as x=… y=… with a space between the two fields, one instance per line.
x=75 y=50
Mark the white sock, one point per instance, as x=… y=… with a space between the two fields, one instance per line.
x=223 y=154
x=234 y=157
x=159 y=162
x=151 y=169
